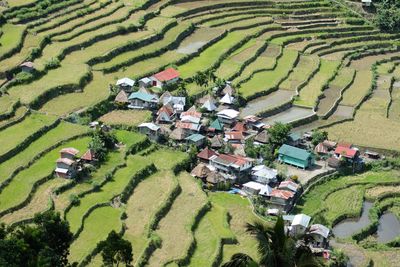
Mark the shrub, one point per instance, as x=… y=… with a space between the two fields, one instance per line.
x=52 y=64
x=74 y=200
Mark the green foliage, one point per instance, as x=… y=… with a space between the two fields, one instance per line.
x=388 y=15
x=279 y=133
x=101 y=142
x=23 y=77
x=45 y=243
x=318 y=137
x=116 y=250
x=74 y=200
x=53 y=63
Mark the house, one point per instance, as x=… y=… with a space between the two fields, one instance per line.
x=139 y=100
x=263 y=174
x=227 y=99
x=232 y=165
x=178 y=134
x=145 y=82
x=228 y=116
x=289 y=185
x=27 y=66
x=281 y=199
x=165 y=77
x=200 y=171
x=234 y=137
x=262 y=138
x=216 y=142
x=188 y=127
x=346 y=151
x=294 y=139
x=206 y=154
x=295 y=156
x=69 y=153
x=165 y=114
x=266 y=191
x=191 y=114
x=89 y=157
x=366 y=3
x=190 y=119
x=125 y=84
x=150 y=129
x=215 y=178
x=121 y=98
x=321 y=149
x=177 y=102
x=66 y=165
x=371 y=154
x=330 y=145
x=334 y=162
x=254 y=122
x=209 y=105
x=239 y=127
x=215 y=127
x=196 y=139
x=228 y=89
x=299 y=224
x=319 y=234
x=252 y=188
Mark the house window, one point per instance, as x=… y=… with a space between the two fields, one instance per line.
x=154 y=83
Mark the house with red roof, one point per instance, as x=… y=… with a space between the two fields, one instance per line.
x=234 y=137
x=347 y=152
x=281 y=199
x=165 y=77
x=89 y=157
x=165 y=114
x=206 y=154
x=234 y=166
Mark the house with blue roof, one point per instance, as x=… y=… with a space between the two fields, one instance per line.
x=142 y=100
x=295 y=156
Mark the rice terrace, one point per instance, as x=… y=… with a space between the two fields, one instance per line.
x=200 y=133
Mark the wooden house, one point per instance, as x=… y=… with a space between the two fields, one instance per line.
x=125 y=84
x=165 y=77
x=150 y=129
x=195 y=139
x=295 y=156
x=206 y=154
x=139 y=100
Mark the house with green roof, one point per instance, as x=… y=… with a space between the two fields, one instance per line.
x=142 y=100
x=295 y=156
x=196 y=139
x=216 y=126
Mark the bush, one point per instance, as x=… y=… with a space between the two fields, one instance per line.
x=74 y=200
x=52 y=64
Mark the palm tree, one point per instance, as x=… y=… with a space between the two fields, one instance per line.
x=240 y=260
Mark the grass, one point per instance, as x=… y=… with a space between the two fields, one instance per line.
x=65 y=75
x=213 y=227
x=175 y=234
x=209 y=56
x=126 y=117
x=20 y=187
x=314 y=200
x=377 y=191
x=20 y=131
x=6 y=103
x=93 y=93
x=346 y=201
x=358 y=89
x=112 y=188
x=169 y=37
x=240 y=213
x=11 y=37
x=39 y=203
x=309 y=94
x=307 y=64
x=62 y=132
x=266 y=80
x=141 y=206
x=90 y=236
x=19 y=113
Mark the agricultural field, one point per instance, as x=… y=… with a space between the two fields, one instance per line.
x=289 y=60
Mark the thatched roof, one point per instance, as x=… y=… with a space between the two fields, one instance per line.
x=200 y=171
x=228 y=90
x=177 y=134
x=216 y=142
x=262 y=137
x=121 y=97
x=215 y=178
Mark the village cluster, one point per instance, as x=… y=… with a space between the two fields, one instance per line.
x=213 y=125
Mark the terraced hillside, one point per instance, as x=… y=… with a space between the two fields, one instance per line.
x=311 y=63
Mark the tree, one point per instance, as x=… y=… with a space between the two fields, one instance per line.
x=240 y=260
x=318 y=136
x=181 y=90
x=46 y=242
x=116 y=250
x=250 y=149
x=98 y=147
x=388 y=15
x=279 y=133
